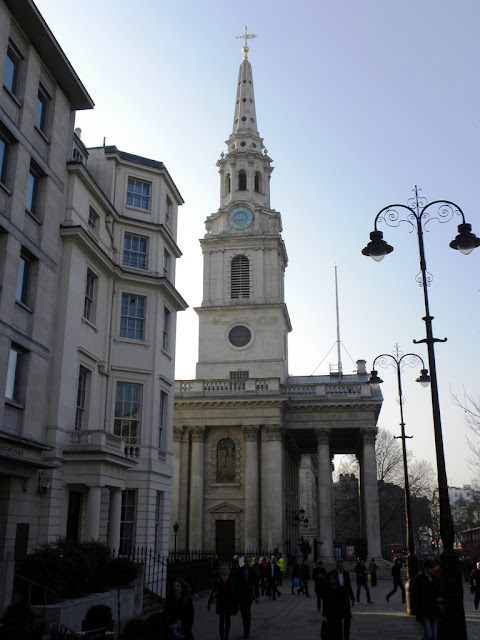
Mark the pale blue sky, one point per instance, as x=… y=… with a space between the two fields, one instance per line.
x=357 y=102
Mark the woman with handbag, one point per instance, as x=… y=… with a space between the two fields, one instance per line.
x=227 y=603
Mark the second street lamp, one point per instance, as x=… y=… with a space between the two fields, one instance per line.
x=398 y=361
x=418 y=213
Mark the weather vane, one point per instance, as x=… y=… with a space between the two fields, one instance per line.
x=246 y=36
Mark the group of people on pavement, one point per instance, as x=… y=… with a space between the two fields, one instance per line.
x=234 y=589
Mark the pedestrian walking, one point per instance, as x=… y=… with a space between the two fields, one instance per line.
x=426 y=596
x=319 y=576
x=245 y=593
x=343 y=578
x=256 y=573
x=178 y=612
x=372 y=570
x=227 y=604
x=304 y=573
x=397 y=580
x=336 y=607
x=362 y=580
x=474 y=585
x=273 y=576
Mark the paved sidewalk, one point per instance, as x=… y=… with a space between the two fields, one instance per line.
x=293 y=617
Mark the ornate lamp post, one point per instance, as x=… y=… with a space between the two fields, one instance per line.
x=418 y=214
x=176 y=527
x=398 y=361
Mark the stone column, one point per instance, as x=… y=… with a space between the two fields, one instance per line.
x=369 y=494
x=115 y=517
x=272 y=490
x=325 y=495
x=92 y=521
x=176 y=479
x=250 y=434
x=195 y=521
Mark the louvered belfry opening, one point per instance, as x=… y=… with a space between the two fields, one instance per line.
x=240 y=281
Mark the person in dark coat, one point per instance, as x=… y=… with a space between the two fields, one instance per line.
x=304 y=572
x=397 y=580
x=273 y=577
x=336 y=606
x=474 y=585
x=372 y=569
x=344 y=581
x=426 y=595
x=245 y=593
x=362 y=580
x=178 y=613
x=319 y=576
x=227 y=604
x=256 y=573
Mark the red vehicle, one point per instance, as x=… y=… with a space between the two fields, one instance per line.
x=393 y=550
x=471 y=542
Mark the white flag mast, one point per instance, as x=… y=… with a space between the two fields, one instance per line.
x=339 y=356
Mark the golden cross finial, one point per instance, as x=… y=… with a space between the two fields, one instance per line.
x=246 y=36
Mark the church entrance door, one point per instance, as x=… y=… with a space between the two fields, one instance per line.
x=225 y=538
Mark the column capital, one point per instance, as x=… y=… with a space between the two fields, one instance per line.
x=323 y=436
x=178 y=433
x=369 y=436
x=273 y=432
x=250 y=432
x=197 y=433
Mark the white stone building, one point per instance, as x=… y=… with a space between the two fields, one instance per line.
x=87 y=315
x=242 y=427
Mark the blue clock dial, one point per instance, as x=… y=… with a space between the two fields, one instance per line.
x=240 y=218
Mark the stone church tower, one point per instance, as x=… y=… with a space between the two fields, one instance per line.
x=243 y=426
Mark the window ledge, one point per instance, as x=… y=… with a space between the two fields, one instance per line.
x=34 y=216
x=128 y=267
x=130 y=206
x=142 y=343
x=39 y=131
x=90 y=324
x=12 y=96
x=4 y=187
x=14 y=403
x=24 y=306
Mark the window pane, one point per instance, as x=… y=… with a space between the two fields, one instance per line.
x=127 y=411
x=11 y=75
x=135 y=251
x=21 y=293
x=132 y=317
x=81 y=399
x=138 y=194
x=89 y=303
x=4 y=149
x=12 y=390
x=32 y=192
x=41 y=110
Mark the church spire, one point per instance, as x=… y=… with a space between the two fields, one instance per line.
x=246 y=167
x=244 y=135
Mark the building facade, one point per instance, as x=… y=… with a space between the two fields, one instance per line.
x=87 y=315
x=251 y=442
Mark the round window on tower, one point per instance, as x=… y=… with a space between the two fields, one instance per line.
x=240 y=336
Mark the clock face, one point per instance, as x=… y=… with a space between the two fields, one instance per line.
x=240 y=218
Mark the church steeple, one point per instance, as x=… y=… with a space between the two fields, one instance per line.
x=244 y=321
x=245 y=146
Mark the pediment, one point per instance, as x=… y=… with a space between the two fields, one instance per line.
x=225 y=507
